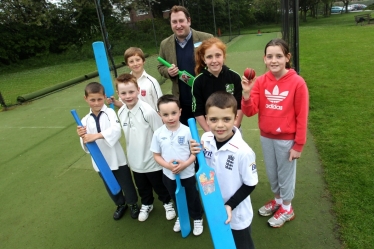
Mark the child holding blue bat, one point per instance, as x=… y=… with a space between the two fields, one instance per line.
x=170 y=145
x=139 y=121
x=150 y=89
x=234 y=163
x=102 y=126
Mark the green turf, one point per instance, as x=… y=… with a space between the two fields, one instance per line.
x=32 y=80
x=51 y=196
x=336 y=62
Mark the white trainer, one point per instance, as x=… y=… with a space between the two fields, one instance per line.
x=144 y=212
x=170 y=212
x=198 y=227
x=177 y=226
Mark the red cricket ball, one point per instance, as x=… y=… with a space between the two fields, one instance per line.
x=249 y=73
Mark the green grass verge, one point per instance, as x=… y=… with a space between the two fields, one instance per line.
x=30 y=80
x=335 y=60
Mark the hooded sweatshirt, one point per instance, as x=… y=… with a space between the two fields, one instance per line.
x=282 y=106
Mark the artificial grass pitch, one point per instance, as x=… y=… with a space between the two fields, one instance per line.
x=51 y=196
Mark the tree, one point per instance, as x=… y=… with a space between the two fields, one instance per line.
x=23 y=25
x=345 y=3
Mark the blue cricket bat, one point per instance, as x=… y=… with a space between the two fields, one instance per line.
x=210 y=194
x=103 y=68
x=99 y=159
x=184 y=217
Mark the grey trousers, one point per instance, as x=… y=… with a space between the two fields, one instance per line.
x=281 y=172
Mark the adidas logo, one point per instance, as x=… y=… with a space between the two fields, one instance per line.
x=275 y=96
x=273 y=106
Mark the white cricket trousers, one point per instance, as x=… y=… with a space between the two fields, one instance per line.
x=281 y=172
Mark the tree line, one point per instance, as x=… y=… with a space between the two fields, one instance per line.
x=32 y=28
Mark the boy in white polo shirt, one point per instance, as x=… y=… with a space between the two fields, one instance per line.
x=169 y=145
x=150 y=89
x=139 y=121
x=234 y=163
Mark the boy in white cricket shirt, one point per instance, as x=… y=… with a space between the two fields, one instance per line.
x=139 y=121
x=234 y=163
x=102 y=125
x=169 y=145
x=150 y=89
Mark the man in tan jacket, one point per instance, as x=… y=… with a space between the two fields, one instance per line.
x=178 y=50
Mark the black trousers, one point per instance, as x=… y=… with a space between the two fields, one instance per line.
x=243 y=238
x=128 y=193
x=195 y=209
x=147 y=182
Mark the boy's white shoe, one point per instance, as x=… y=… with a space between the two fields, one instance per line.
x=144 y=212
x=170 y=212
x=177 y=226
x=198 y=227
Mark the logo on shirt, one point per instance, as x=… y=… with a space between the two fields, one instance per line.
x=275 y=97
x=254 y=167
x=207 y=184
x=143 y=92
x=164 y=138
x=230 y=88
x=207 y=154
x=230 y=162
x=125 y=124
x=180 y=140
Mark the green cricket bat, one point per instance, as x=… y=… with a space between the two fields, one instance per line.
x=184 y=76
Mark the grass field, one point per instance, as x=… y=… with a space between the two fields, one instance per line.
x=335 y=61
x=47 y=179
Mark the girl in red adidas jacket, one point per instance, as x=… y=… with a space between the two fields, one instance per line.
x=281 y=99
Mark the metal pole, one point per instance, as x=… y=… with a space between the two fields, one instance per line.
x=153 y=23
x=238 y=17
x=228 y=5
x=214 y=19
x=2 y=101
x=296 y=36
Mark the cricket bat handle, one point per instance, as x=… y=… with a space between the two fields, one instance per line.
x=76 y=118
x=196 y=137
x=164 y=62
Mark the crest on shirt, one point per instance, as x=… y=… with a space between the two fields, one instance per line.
x=124 y=124
x=229 y=162
x=254 y=167
x=207 y=183
x=181 y=140
x=143 y=92
x=230 y=88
